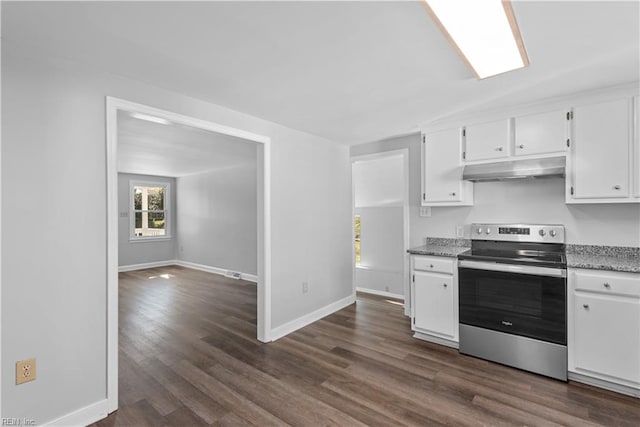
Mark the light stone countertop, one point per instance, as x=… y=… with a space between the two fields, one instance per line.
x=604 y=262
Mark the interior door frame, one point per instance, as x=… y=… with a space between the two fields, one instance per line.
x=404 y=152
x=113 y=105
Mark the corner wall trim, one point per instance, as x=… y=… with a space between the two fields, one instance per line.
x=307 y=319
x=83 y=416
x=145 y=265
x=381 y=293
x=215 y=270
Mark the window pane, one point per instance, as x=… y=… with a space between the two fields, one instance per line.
x=137 y=198
x=138 y=220
x=156 y=220
x=148 y=198
x=156 y=198
x=356 y=232
x=149 y=224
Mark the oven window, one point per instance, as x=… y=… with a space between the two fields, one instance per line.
x=502 y=295
x=521 y=304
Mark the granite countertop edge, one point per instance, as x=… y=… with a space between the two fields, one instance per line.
x=438 y=250
x=437 y=246
x=604 y=262
x=591 y=257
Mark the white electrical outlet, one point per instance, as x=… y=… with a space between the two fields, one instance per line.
x=459 y=231
x=305 y=287
x=425 y=211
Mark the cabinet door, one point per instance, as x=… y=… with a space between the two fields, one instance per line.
x=601 y=142
x=540 y=133
x=607 y=336
x=487 y=140
x=434 y=311
x=442 y=166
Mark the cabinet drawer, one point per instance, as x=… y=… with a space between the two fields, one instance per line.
x=607 y=283
x=434 y=264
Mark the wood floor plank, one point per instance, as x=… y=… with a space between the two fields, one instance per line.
x=189 y=357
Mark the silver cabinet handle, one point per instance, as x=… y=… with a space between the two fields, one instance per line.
x=617 y=187
x=452 y=194
x=606 y=285
x=521 y=146
x=506 y=323
x=586 y=306
x=431 y=266
x=499 y=149
x=444 y=284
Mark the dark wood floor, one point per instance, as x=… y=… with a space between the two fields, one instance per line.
x=188 y=357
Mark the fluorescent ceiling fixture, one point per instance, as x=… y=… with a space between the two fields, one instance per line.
x=484 y=32
x=149 y=118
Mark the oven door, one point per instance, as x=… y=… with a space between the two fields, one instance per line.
x=516 y=299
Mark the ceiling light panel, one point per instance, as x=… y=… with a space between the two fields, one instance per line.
x=484 y=32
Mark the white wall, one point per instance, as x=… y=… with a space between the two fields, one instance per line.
x=218 y=217
x=537 y=201
x=143 y=251
x=378 y=186
x=54 y=251
x=378 y=182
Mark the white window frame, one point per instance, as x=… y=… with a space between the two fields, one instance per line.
x=132 y=210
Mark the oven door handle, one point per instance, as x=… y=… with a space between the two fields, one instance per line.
x=512 y=268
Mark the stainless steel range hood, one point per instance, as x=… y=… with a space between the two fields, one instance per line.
x=526 y=168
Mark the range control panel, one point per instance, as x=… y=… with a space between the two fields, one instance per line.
x=518 y=232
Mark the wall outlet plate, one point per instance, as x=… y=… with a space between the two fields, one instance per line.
x=425 y=211
x=25 y=370
x=459 y=231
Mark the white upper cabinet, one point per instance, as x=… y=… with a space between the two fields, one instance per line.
x=442 y=183
x=541 y=133
x=600 y=152
x=490 y=140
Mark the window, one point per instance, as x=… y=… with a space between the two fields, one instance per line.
x=149 y=213
x=356 y=232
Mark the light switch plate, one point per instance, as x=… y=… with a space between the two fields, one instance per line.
x=425 y=211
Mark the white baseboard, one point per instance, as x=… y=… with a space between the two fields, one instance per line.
x=381 y=293
x=437 y=340
x=215 y=270
x=145 y=265
x=596 y=382
x=307 y=319
x=83 y=416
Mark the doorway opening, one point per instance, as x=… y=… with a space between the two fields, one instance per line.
x=380 y=209
x=156 y=218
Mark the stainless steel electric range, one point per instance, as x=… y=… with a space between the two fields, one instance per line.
x=513 y=297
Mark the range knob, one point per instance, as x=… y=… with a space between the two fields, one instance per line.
x=479 y=230
x=488 y=231
x=553 y=233
x=542 y=232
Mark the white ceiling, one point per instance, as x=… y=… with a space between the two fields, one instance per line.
x=349 y=71
x=175 y=150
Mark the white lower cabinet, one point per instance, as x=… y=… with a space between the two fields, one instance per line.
x=604 y=328
x=434 y=291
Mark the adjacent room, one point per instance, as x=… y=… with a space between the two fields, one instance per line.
x=305 y=213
